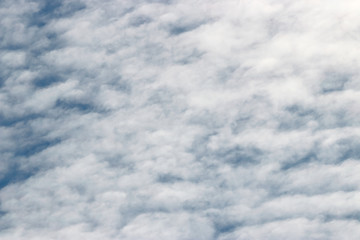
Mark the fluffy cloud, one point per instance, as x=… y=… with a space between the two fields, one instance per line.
x=179 y=119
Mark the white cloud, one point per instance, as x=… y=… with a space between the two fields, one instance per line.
x=179 y=120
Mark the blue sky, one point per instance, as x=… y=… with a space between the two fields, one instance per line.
x=183 y=119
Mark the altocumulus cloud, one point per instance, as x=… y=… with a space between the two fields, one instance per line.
x=179 y=119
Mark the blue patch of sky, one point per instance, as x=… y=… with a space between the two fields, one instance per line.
x=298 y=162
x=2 y=213
x=223 y=227
x=234 y=156
x=3 y=78
x=12 y=121
x=239 y=156
x=47 y=80
x=15 y=174
x=34 y=145
x=349 y=149
x=52 y=40
x=6 y=72
x=54 y=9
x=11 y=45
x=345 y=149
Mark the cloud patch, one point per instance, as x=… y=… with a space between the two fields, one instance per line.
x=179 y=120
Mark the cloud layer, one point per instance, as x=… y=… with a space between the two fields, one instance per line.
x=179 y=119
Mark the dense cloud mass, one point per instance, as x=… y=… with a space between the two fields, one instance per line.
x=179 y=119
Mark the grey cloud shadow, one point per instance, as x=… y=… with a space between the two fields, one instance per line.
x=240 y=123
x=198 y=147
x=193 y=56
x=168 y=178
x=345 y=149
x=234 y=156
x=76 y=106
x=162 y=97
x=352 y=216
x=296 y=117
x=137 y=21
x=4 y=223
x=334 y=82
x=166 y=2
x=299 y=110
x=116 y=160
x=180 y=28
x=226 y=73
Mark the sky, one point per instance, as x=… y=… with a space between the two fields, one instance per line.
x=179 y=119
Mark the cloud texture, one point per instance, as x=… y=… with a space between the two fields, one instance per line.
x=179 y=119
